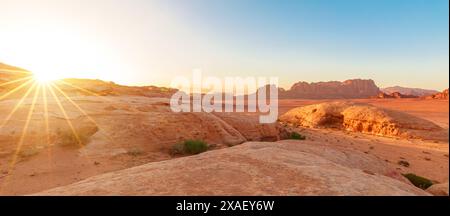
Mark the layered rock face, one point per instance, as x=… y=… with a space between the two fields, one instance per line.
x=356 y=88
x=364 y=118
x=442 y=96
x=409 y=91
x=253 y=168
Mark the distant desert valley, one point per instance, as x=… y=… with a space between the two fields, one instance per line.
x=92 y=137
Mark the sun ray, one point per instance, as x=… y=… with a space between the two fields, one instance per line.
x=22 y=137
x=16 y=107
x=47 y=127
x=15 y=89
x=79 y=108
x=73 y=103
x=15 y=81
x=44 y=101
x=58 y=102
x=14 y=71
x=69 y=99
x=82 y=89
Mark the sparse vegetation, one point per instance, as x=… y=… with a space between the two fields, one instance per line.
x=296 y=136
x=195 y=146
x=418 y=181
x=190 y=147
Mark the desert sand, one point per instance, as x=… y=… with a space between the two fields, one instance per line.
x=127 y=134
x=253 y=168
x=123 y=132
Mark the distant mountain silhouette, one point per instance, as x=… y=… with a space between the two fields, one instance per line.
x=409 y=91
x=354 y=88
x=394 y=95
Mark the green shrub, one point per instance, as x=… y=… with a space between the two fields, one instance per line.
x=190 y=147
x=195 y=146
x=296 y=136
x=418 y=181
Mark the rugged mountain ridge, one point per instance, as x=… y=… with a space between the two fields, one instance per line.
x=354 y=88
x=409 y=91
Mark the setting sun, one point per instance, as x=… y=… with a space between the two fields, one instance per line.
x=57 y=54
x=188 y=98
x=44 y=77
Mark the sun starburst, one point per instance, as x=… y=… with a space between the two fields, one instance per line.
x=32 y=88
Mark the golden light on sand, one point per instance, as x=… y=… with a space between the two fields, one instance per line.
x=41 y=86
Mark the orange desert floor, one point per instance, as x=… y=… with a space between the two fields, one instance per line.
x=50 y=167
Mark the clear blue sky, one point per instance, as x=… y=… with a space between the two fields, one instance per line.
x=394 y=42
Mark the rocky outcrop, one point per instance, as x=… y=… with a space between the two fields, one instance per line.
x=439 y=189
x=364 y=118
x=442 y=96
x=356 y=88
x=254 y=168
x=395 y=95
x=126 y=122
x=418 y=92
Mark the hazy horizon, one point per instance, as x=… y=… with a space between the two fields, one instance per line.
x=395 y=43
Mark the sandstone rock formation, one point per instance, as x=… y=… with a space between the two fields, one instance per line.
x=254 y=168
x=439 y=189
x=396 y=95
x=125 y=122
x=443 y=95
x=356 y=88
x=409 y=91
x=364 y=118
